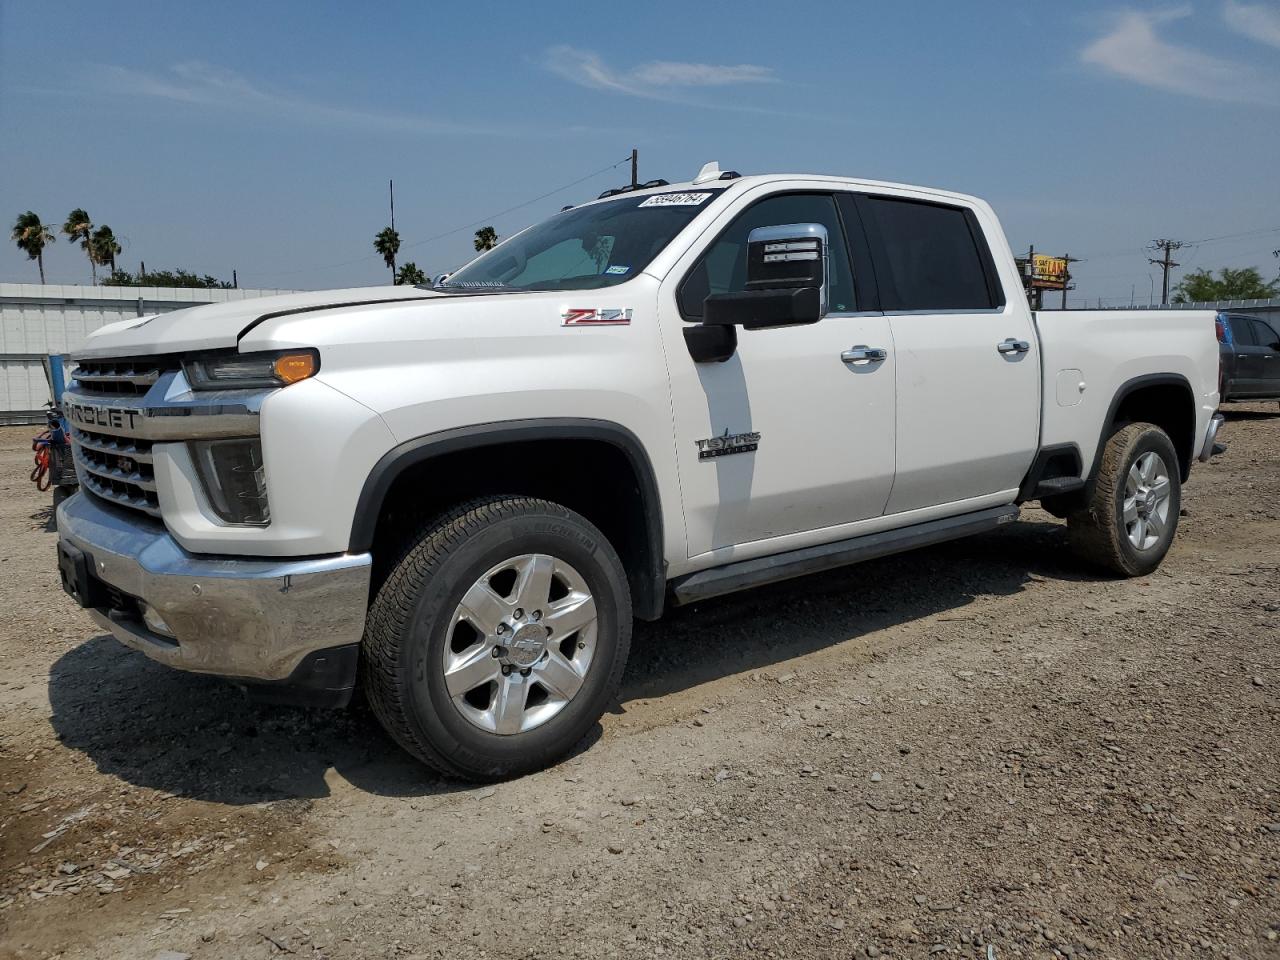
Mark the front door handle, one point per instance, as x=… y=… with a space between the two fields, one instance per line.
x=862 y=353
x=1013 y=346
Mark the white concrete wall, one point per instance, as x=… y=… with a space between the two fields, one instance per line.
x=23 y=388
x=39 y=319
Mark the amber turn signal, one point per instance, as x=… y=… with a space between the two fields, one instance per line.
x=293 y=367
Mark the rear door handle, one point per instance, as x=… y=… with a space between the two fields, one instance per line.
x=1013 y=346
x=862 y=353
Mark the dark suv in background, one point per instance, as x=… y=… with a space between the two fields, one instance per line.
x=1249 y=348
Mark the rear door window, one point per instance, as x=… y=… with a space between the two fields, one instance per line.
x=929 y=256
x=1242 y=332
x=1265 y=335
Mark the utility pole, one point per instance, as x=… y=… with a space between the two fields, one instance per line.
x=1066 y=277
x=635 y=168
x=1165 y=263
x=1028 y=279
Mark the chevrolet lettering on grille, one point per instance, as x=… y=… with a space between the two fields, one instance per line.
x=118 y=418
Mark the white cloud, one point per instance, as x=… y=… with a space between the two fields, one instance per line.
x=198 y=83
x=1255 y=20
x=1134 y=50
x=666 y=73
x=656 y=80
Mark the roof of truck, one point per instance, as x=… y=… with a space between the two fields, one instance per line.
x=745 y=182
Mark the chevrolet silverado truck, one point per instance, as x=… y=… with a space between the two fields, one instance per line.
x=457 y=498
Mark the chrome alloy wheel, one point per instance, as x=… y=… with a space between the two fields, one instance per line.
x=520 y=644
x=1147 y=498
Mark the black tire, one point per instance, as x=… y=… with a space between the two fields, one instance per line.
x=1099 y=533
x=409 y=625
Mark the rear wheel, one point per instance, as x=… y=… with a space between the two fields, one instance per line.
x=499 y=638
x=1129 y=522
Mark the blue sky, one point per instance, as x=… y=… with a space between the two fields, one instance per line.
x=260 y=136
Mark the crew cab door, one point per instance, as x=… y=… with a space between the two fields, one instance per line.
x=805 y=437
x=1262 y=364
x=1246 y=366
x=968 y=365
x=1269 y=375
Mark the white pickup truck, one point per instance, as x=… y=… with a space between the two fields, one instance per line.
x=459 y=497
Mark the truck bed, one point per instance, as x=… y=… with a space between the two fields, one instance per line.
x=1089 y=356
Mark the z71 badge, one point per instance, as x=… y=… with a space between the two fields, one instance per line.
x=596 y=316
x=726 y=444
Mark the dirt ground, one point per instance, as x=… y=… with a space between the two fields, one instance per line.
x=976 y=750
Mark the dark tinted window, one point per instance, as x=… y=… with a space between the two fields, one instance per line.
x=927 y=256
x=723 y=268
x=1266 y=337
x=1242 y=332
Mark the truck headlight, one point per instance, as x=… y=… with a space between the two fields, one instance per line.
x=245 y=371
x=234 y=479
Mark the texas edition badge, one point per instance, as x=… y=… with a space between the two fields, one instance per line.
x=726 y=444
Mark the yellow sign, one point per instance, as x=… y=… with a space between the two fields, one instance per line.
x=1048 y=273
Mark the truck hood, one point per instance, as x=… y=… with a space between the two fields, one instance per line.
x=212 y=326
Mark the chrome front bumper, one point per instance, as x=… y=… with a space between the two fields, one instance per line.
x=250 y=618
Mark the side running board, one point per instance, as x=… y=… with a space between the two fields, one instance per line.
x=746 y=574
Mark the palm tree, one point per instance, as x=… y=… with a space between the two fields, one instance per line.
x=409 y=274
x=32 y=237
x=387 y=243
x=77 y=230
x=103 y=247
x=486 y=239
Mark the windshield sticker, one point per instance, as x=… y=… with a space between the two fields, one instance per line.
x=676 y=200
x=596 y=316
x=617 y=270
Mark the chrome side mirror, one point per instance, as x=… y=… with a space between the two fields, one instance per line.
x=787 y=280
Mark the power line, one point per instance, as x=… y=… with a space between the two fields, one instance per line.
x=1232 y=236
x=449 y=233
x=1190 y=243
x=518 y=206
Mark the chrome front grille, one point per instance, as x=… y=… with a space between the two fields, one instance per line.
x=124 y=376
x=113 y=466
x=120 y=407
x=119 y=469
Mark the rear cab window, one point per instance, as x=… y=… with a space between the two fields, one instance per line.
x=929 y=257
x=1242 y=332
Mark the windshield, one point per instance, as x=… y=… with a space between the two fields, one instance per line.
x=594 y=246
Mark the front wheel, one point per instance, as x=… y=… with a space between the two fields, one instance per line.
x=498 y=638
x=1129 y=522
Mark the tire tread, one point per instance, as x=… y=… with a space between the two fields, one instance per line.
x=1093 y=532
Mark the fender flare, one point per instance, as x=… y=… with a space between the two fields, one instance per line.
x=1124 y=391
x=648 y=584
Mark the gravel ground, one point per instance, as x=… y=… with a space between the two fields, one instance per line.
x=976 y=750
